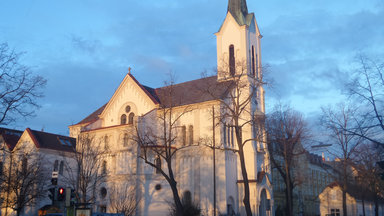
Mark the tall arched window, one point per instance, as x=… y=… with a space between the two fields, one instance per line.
x=158 y=165
x=125 y=140
x=184 y=135
x=232 y=60
x=123 y=119
x=187 y=198
x=130 y=118
x=253 y=61
x=190 y=135
x=104 y=167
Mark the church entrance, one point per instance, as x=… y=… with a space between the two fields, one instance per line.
x=263 y=203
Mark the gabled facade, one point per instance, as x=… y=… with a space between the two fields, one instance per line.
x=38 y=154
x=136 y=108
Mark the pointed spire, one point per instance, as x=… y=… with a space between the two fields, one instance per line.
x=239 y=10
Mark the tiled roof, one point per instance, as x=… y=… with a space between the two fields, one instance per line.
x=191 y=92
x=52 y=141
x=94 y=116
x=10 y=136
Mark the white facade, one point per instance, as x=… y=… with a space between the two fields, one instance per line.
x=134 y=106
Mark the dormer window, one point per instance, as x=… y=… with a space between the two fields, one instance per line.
x=123 y=119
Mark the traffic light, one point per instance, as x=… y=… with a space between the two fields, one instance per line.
x=61 y=194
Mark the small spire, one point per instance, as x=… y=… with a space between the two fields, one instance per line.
x=129 y=70
x=238 y=9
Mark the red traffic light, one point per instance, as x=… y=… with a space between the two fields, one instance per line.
x=61 y=191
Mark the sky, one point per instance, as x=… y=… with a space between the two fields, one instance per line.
x=85 y=47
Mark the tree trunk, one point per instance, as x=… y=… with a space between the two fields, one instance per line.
x=288 y=194
x=176 y=198
x=363 y=206
x=344 y=202
x=376 y=199
x=246 y=201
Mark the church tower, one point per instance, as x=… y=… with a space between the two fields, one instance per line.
x=238 y=43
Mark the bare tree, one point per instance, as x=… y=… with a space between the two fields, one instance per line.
x=240 y=96
x=346 y=142
x=158 y=135
x=90 y=167
x=24 y=179
x=19 y=88
x=286 y=132
x=367 y=89
x=366 y=159
x=122 y=198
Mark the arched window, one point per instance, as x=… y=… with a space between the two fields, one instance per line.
x=106 y=141
x=61 y=169
x=232 y=60
x=184 y=135
x=253 y=61
x=130 y=119
x=56 y=166
x=187 y=198
x=125 y=140
x=158 y=165
x=104 y=167
x=190 y=135
x=123 y=119
x=103 y=192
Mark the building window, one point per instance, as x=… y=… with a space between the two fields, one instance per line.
x=103 y=209
x=106 y=141
x=187 y=198
x=190 y=135
x=158 y=165
x=225 y=134
x=1 y=168
x=253 y=61
x=130 y=119
x=24 y=165
x=184 y=134
x=123 y=119
x=104 y=167
x=232 y=61
x=56 y=166
x=125 y=140
x=103 y=192
x=335 y=212
x=61 y=169
x=128 y=109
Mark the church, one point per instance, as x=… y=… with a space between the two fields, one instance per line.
x=200 y=135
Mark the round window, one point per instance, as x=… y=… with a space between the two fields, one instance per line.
x=127 y=109
x=158 y=187
x=103 y=192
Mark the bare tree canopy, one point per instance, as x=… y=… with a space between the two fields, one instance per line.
x=122 y=198
x=367 y=89
x=23 y=181
x=286 y=131
x=19 y=88
x=335 y=121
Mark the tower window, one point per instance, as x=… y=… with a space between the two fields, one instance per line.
x=253 y=61
x=130 y=118
x=232 y=61
x=104 y=167
x=123 y=119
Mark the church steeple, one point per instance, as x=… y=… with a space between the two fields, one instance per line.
x=239 y=10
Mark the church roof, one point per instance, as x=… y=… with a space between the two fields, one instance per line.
x=191 y=92
x=239 y=11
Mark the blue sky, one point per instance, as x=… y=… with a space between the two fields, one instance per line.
x=84 y=47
